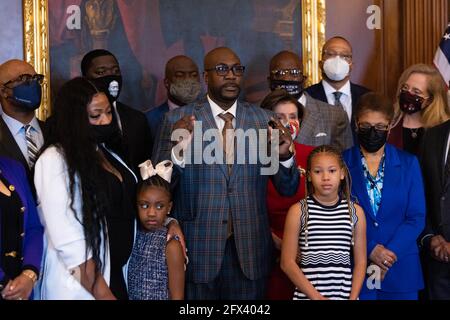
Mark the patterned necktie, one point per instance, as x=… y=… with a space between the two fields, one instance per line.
x=337 y=98
x=228 y=138
x=31 y=146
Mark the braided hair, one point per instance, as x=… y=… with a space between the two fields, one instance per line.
x=156 y=182
x=344 y=187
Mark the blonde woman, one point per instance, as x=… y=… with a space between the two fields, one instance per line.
x=421 y=103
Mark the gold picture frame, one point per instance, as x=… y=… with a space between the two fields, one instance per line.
x=37 y=49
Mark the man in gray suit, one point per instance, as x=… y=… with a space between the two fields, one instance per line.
x=322 y=123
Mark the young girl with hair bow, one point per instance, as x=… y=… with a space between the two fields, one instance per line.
x=156 y=266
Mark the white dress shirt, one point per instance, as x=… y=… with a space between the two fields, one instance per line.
x=220 y=123
x=446 y=149
x=119 y=122
x=18 y=132
x=302 y=100
x=346 y=97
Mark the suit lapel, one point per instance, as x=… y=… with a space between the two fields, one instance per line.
x=441 y=156
x=359 y=181
x=241 y=123
x=202 y=112
x=321 y=93
x=312 y=123
x=9 y=145
x=391 y=177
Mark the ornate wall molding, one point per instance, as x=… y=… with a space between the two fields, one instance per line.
x=36 y=47
x=313 y=34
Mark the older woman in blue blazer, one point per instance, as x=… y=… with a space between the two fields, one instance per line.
x=387 y=182
x=21 y=233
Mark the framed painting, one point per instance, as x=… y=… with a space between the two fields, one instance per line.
x=144 y=34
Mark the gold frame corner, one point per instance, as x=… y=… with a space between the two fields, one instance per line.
x=313 y=38
x=36 y=49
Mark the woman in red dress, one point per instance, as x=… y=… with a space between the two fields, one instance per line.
x=290 y=112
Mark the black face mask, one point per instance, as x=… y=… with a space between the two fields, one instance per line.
x=109 y=134
x=110 y=85
x=410 y=103
x=372 y=139
x=294 y=88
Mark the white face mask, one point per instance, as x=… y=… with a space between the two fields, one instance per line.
x=336 y=68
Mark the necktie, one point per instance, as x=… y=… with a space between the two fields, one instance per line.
x=228 y=148
x=337 y=98
x=228 y=139
x=31 y=146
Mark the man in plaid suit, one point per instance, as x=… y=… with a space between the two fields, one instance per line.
x=221 y=207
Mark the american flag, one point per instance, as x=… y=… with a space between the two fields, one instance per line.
x=442 y=57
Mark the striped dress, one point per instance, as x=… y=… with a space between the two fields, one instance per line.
x=325 y=254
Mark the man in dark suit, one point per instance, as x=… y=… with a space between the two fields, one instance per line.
x=182 y=82
x=435 y=240
x=336 y=88
x=221 y=205
x=21 y=133
x=102 y=67
x=322 y=123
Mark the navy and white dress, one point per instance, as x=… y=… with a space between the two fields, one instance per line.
x=147 y=269
x=325 y=243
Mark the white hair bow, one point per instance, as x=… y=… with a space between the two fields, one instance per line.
x=162 y=169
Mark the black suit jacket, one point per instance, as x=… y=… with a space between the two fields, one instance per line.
x=437 y=191
x=318 y=92
x=136 y=134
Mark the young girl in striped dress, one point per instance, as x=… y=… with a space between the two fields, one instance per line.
x=324 y=244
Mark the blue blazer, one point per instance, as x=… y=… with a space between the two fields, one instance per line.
x=400 y=218
x=15 y=173
x=206 y=194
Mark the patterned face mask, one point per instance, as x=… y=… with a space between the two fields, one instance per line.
x=294 y=128
x=410 y=103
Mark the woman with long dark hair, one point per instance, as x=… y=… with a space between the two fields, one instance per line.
x=86 y=194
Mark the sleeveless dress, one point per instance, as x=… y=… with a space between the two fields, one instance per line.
x=147 y=271
x=326 y=251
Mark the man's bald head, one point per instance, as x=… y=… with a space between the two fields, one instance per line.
x=337 y=42
x=19 y=107
x=180 y=63
x=12 y=69
x=182 y=80
x=285 y=60
x=223 y=89
x=218 y=56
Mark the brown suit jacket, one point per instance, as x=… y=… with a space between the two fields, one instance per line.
x=325 y=124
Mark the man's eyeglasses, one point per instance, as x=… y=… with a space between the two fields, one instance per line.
x=297 y=73
x=24 y=78
x=330 y=54
x=223 y=69
x=368 y=126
